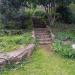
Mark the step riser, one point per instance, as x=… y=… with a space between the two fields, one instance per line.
x=43 y=43
x=44 y=39
x=40 y=31
x=42 y=36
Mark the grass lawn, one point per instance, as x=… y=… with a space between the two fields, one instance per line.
x=44 y=63
x=11 y=42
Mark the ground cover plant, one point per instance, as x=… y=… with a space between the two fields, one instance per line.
x=63 y=43
x=64 y=50
x=12 y=42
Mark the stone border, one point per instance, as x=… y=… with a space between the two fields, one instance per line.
x=16 y=56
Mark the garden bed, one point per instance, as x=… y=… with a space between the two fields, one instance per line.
x=11 y=42
x=64 y=40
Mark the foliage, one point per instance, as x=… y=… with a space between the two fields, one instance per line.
x=11 y=11
x=9 y=43
x=64 y=50
x=8 y=8
x=63 y=35
x=50 y=7
x=72 y=8
x=73 y=18
x=22 y=21
x=39 y=13
x=65 y=14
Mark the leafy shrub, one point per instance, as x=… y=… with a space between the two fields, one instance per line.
x=65 y=14
x=73 y=18
x=20 y=20
x=72 y=7
x=63 y=35
x=39 y=13
x=24 y=39
x=59 y=45
x=64 y=50
x=8 y=43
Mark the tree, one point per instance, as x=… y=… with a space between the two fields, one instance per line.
x=50 y=7
x=9 y=9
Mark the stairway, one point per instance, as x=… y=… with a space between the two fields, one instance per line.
x=42 y=36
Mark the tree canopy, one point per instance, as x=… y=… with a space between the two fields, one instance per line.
x=10 y=8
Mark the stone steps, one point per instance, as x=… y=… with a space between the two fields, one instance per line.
x=42 y=35
x=45 y=39
x=45 y=43
x=41 y=29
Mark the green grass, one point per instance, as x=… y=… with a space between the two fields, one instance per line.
x=43 y=63
x=11 y=42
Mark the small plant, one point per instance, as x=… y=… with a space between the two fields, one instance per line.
x=9 y=43
x=64 y=50
x=59 y=45
x=63 y=35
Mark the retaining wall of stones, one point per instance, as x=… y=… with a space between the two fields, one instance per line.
x=15 y=56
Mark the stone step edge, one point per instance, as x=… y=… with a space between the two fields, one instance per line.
x=44 y=43
x=44 y=39
x=27 y=51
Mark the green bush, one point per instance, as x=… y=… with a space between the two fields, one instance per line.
x=72 y=8
x=73 y=18
x=21 y=20
x=65 y=14
x=63 y=35
x=9 y=43
x=39 y=13
x=64 y=50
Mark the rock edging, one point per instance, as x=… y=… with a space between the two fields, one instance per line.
x=16 y=56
